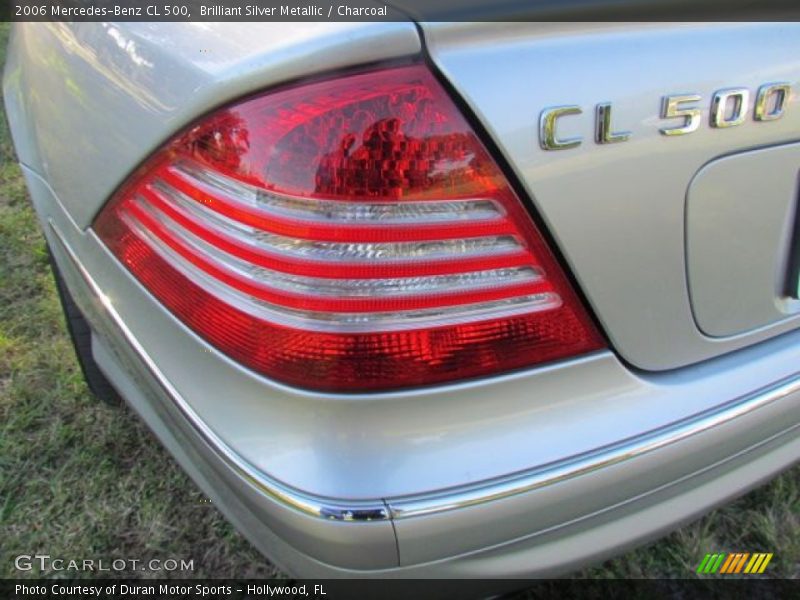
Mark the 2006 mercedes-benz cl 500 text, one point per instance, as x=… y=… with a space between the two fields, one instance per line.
x=436 y=299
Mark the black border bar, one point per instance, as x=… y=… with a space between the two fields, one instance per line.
x=728 y=588
x=399 y=10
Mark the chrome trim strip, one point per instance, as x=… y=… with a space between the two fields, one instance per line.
x=455 y=498
x=329 y=509
x=596 y=460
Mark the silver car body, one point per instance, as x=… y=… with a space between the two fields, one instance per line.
x=525 y=474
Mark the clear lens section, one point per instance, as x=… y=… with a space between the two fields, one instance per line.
x=336 y=251
x=338 y=211
x=344 y=288
x=390 y=252
x=343 y=322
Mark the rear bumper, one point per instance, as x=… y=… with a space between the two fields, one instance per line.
x=540 y=521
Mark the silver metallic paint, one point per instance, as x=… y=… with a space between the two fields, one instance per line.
x=421 y=444
x=529 y=506
x=617 y=211
x=404 y=508
x=740 y=216
x=98 y=98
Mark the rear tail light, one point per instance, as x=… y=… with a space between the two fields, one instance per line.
x=346 y=235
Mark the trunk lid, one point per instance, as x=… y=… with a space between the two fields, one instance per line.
x=652 y=265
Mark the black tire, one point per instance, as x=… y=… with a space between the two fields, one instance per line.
x=81 y=335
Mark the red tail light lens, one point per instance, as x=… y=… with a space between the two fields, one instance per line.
x=351 y=234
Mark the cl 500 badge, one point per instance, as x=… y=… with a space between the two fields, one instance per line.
x=729 y=108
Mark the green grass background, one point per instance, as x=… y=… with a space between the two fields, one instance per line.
x=79 y=479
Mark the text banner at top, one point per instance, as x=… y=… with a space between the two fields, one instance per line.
x=398 y=10
x=200 y=10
